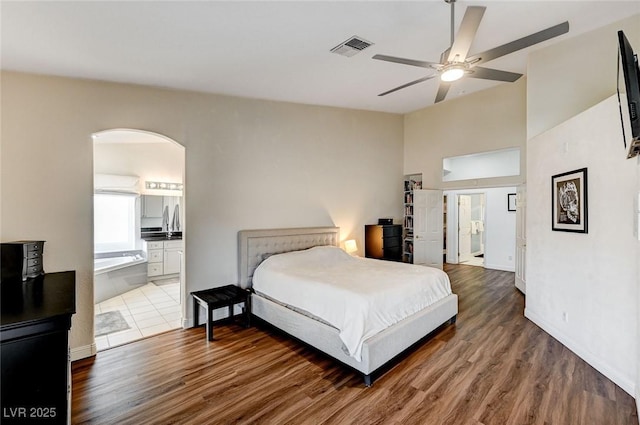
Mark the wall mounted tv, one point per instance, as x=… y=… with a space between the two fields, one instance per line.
x=631 y=72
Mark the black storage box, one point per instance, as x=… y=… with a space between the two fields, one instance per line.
x=385 y=221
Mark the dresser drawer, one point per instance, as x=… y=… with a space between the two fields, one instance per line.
x=32 y=262
x=391 y=231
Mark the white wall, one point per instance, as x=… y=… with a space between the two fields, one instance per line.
x=249 y=164
x=500 y=227
x=480 y=122
x=591 y=277
x=569 y=77
x=161 y=162
x=557 y=90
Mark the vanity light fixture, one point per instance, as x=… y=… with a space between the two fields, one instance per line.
x=163 y=185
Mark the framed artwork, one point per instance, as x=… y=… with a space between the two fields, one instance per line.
x=511 y=202
x=569 y=201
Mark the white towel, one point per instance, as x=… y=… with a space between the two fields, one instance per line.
x=480 y=226
x=175 y=223
x=165 y=219
x=474 y=227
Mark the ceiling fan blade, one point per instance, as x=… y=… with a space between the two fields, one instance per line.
x=419 y=80
x=521 y=43
x=466 y=33
x=421 y=64
x=442 y=91
x=493 y=74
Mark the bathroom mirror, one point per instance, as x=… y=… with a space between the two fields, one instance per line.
x=152 y=208
x=499 y=163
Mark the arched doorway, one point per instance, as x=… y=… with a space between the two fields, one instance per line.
x=139 y=231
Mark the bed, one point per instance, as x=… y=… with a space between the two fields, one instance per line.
x=375 y=352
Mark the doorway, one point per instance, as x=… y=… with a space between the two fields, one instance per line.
x=471 y=212
x=492 y=228
x=138 y=235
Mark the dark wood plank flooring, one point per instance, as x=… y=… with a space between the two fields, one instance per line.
x=492 y=367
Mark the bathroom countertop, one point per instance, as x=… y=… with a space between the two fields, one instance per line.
x=161 y=236
x=160 y=239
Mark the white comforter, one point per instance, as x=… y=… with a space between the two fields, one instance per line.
x=358 y=296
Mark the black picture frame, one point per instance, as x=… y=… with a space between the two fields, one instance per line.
x=511 y=202
x=569 y=202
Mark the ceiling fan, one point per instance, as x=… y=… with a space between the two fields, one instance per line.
x=455 y=62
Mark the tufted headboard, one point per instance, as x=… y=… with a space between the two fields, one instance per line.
x=254 y=244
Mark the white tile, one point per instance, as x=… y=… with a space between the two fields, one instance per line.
x=146 y=306
x=152 y=321
x=169 y=310
x=175 y=324
x=113 y=301
x=124 y=337
x=156 y=329
x=136 y=293
x=172 y=316
x=165 y=304
x=145 y=315
x=163 y=298
x=102 y=343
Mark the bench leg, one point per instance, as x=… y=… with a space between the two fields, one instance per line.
x=196 y=313
x=209 y=324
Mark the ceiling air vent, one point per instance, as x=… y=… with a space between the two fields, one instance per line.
x=352 y=46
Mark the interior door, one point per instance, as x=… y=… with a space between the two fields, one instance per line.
x=428 y=227
x=464 y=228
x=521 y=238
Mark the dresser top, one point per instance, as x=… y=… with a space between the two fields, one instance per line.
x=37 y=299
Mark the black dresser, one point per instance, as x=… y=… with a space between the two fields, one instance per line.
x=34 y=348
x=383 y=241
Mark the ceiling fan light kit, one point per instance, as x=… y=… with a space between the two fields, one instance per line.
x=452 y=72
x=456 y=62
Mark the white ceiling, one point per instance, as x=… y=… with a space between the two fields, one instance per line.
x=277 y=50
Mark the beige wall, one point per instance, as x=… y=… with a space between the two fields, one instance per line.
x=484 y=121
x=249 y=164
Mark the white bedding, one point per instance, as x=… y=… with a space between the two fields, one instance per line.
x=358 y=296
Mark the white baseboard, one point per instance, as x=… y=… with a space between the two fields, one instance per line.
x=83 y=352
x=638 y=401
x=504 y=268
x=599 y=364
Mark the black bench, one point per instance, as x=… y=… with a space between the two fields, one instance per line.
x=224 y=296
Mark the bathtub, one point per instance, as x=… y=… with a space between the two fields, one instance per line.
x=118 y=272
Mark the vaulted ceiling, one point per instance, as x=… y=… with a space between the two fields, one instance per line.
x=278 y=50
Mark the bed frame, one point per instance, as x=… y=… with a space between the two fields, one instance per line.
x=377 y=351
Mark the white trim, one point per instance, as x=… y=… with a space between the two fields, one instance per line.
x=83 y=352
x=599 y=364
x=499 y=267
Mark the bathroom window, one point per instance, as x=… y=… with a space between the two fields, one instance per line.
x=114 y=222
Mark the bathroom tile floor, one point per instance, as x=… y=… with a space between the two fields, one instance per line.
x=474 y=261
x=149 y=310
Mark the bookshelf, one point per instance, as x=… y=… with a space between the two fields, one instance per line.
x=411 y=182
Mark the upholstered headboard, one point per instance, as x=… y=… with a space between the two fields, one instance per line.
x=254 y=244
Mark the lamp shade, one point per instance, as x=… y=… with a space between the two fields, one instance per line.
x=350 y=246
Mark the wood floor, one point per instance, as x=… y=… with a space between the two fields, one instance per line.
x=492 y=367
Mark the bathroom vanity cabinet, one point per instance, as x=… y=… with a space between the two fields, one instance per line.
x=164 y=257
